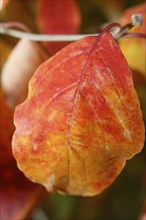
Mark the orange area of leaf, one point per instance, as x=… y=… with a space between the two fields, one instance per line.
x=134 y=49
x=81 y=120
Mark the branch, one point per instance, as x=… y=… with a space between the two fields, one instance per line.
x=42 y=37
x=6 y=28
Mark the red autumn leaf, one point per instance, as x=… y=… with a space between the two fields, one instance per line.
x=58 y=17
x=81 y=120
x=7 y=129
x=19 y=196
x=134 y=49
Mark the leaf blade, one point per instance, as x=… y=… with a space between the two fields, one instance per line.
x=78 y=138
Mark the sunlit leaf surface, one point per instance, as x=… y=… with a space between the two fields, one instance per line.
x=81 y=120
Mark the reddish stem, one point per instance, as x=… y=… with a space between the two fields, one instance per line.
x=123 y=31
x=141 y=35
x=109 y=27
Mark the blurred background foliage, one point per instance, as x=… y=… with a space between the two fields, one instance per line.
x=124 y=199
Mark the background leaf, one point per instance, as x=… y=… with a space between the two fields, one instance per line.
x=7 y=129
x=3 y=4
x=19 y=68
x=58 y=17
x=134 y=49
